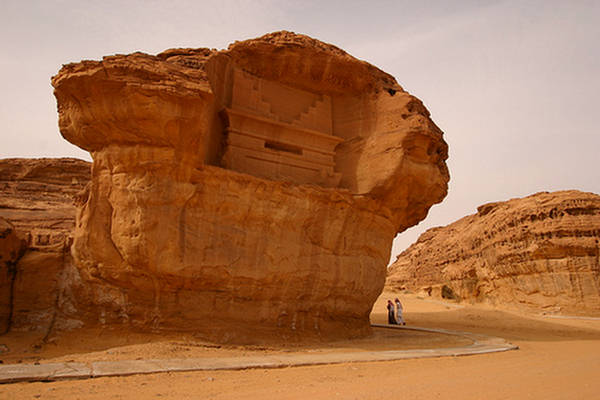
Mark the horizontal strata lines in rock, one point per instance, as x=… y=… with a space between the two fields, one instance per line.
x=522 y=235
x=554 y=213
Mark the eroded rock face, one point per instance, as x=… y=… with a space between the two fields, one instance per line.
x=12 y=247
x=246 y=192
x=540 y=252
x=36 y=195
x=36 y=200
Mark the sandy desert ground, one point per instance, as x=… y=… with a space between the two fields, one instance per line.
x=559 y=358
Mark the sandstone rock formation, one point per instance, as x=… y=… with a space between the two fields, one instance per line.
x=12 y=248
x=36 y=197
x=540 y=252
x=244 y=192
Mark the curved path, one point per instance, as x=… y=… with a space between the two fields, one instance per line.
x=76 y=370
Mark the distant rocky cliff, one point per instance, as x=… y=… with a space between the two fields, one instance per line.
x=540 y=252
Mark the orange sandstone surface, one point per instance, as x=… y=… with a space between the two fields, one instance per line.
x=247 y=193
x=540 y=252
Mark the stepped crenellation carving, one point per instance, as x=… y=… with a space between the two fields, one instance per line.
x=279 y=132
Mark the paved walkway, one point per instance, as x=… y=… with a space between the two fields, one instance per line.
x=76 y=370
x=571 y=317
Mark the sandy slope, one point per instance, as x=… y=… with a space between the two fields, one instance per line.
x=558 y=359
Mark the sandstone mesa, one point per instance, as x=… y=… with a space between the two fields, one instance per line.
x=242 y=193
x=540 y=252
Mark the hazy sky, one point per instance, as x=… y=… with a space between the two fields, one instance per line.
x=515 y=85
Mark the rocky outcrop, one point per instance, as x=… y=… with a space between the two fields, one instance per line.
x=36 y=197
x=12 y=248
x=539 y=252
x=244 y=193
